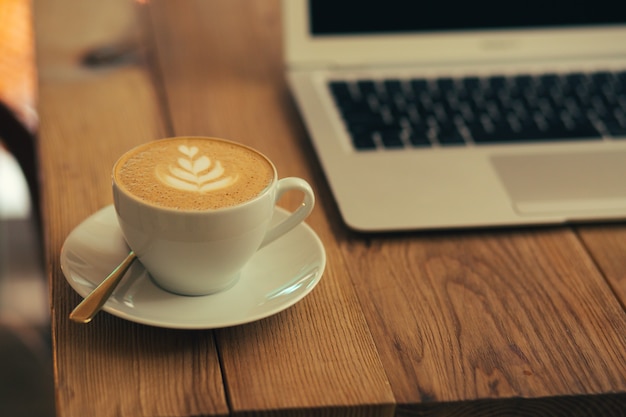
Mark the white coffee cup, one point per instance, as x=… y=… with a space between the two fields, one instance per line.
x=198 y=250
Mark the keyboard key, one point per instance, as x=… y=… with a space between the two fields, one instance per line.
x=418 y=137
x=340 y=91
x=393 y=87
x=363 y=141
x=367 y=88
x=391 y=139
x=450 y=137
x=615 y=128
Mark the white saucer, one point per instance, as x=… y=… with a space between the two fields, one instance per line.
x=277 y=277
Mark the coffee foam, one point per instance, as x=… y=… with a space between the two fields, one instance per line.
x=193 y=173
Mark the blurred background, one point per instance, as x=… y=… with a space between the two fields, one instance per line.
x=25 y=353
x=26 y=381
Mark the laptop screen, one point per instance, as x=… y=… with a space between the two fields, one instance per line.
x=353 y=17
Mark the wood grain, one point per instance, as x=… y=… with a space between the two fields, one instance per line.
x=316 y=358
x=607 y=245
x=463 y=317
x=89 y=116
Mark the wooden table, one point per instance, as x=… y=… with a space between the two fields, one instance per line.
x=483 y=322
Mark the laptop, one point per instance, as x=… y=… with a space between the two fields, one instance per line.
x=455 y=114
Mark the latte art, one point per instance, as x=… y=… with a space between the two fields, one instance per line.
x=192 y=173
x=195 y=172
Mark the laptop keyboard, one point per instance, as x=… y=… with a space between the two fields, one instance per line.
x=413 y=113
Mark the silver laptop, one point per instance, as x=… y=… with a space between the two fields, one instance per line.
x=450 y=114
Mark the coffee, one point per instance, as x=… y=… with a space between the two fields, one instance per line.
x=193 y=173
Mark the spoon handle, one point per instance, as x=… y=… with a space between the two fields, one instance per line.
x=89 y=307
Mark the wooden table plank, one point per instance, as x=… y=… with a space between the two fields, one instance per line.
x=498 y=315
x=89 y=116
x=607 y=245
x=226 y=81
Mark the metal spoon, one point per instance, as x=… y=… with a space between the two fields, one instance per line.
x=89 y=307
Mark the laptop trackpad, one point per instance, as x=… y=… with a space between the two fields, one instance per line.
x=564 y=182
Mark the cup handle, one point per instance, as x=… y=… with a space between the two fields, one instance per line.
x=295 y=218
